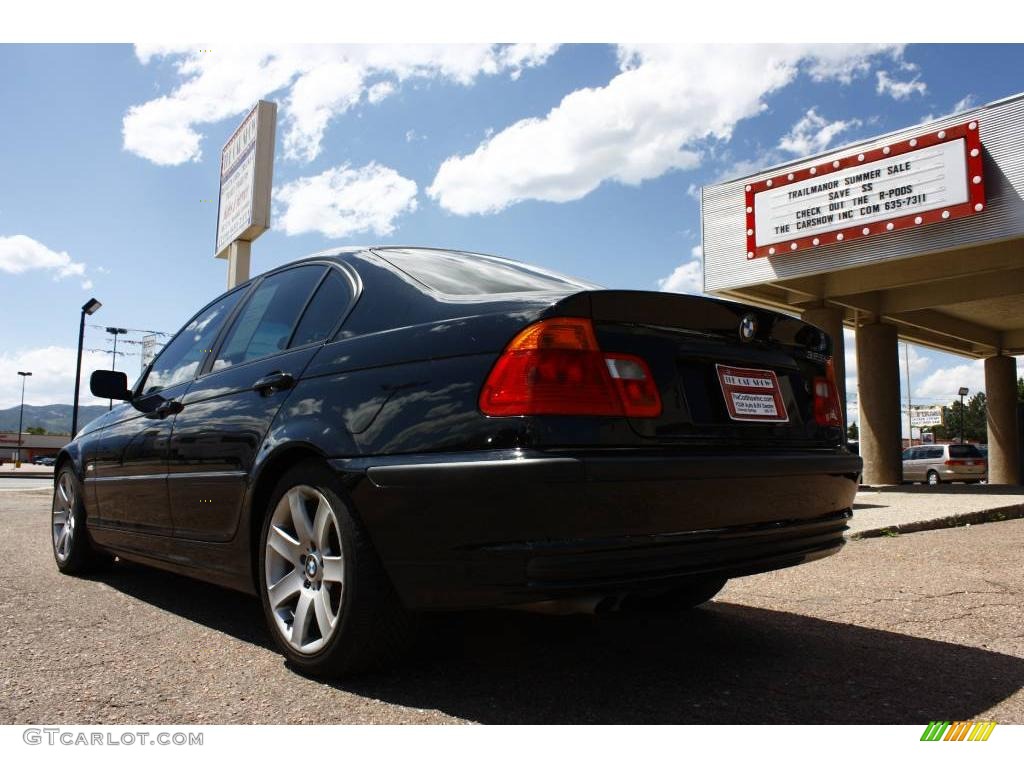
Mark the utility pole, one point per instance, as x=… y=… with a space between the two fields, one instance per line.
x=910 y=422
x=113 y=356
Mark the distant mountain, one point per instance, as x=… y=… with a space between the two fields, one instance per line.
x=52 y=418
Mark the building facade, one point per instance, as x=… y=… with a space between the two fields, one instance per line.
x=915 y=235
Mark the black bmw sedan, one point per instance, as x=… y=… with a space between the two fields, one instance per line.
x=371 y=433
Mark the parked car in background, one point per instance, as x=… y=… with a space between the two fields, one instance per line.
x=952 y=463
x=367 y=434
x=46 y=461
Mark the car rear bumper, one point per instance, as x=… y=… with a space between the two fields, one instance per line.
x=494 y=528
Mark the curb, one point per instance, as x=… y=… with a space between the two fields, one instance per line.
x=998 y=514
x=29 y=475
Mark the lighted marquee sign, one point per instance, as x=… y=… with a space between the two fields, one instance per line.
x=930 y=178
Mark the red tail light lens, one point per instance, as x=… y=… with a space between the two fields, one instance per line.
x=827 y=410
x=556 y=367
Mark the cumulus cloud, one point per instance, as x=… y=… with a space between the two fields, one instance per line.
x=649 y=119
x=317 y=83
x=20 y=253
x=899 y=89
x=812 y=133
x=688 y=277
x=345 y=201
x=377 y=92
x=53 y=375
x=943 y=383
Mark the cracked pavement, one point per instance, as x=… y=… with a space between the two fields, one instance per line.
x=904 y=629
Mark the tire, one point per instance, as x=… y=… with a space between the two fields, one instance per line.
x=73 y=549
x=933 y=477
x=317 y=562
x=685 y=598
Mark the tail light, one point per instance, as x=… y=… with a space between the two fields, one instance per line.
x=556 y=367
x=827 y=410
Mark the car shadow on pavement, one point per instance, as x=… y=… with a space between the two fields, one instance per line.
x=233 y=613
x=722 y=663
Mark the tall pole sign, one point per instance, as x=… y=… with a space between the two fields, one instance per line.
x=246 y=176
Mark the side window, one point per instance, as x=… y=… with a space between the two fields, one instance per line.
x=266 y=322
x=935 y=453
x=180 y=359
x=324 y=311
x=908 y=454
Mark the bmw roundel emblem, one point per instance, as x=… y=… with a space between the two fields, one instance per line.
x=748 y=327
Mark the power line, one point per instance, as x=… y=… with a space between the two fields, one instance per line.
x=133 y=330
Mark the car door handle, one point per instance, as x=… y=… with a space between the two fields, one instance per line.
x=165 y=409
x=274 y=382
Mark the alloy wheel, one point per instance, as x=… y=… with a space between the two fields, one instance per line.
x=305 y=569
x=63 y=522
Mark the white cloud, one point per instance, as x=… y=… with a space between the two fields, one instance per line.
x=944 y=383
x=343 y=201
x=20 y=253
x=53 y=375
x=918 y=363
x=649 y=119
x=317 y=84
x=812 y=133
x=688 y=277
x=899 y=89
x=377 y=92
x=970 y=101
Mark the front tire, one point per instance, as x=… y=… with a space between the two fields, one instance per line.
x=328 y=602
x=73 y=550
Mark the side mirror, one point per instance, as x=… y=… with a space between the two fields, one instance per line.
x=110 y=385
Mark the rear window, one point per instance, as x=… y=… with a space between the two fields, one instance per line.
x=465 y=274
x=964 y=452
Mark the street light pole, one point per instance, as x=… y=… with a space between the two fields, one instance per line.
x=963 y=391
x=21 y=414
x=113 y=356
x=87 y=309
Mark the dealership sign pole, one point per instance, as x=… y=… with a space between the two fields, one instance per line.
x=246 y=176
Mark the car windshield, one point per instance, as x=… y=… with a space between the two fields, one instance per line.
x=964 y=452
x=468 y=274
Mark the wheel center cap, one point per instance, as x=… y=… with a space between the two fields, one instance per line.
x=311 y=567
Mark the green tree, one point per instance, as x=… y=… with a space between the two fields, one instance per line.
x=1020 y=390
x=852 y=433
x=36 y=431
x=975 y=420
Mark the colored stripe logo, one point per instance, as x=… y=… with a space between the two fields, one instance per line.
x=959 y=730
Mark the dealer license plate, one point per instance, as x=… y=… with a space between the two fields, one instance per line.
x=751 y=394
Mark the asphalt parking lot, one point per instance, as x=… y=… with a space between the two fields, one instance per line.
x=902 y=629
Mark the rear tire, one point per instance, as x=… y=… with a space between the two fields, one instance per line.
x=73 y=549
x=683 y=598
x=327 y=600
x=933 y=477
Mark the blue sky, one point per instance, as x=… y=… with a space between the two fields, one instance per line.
x=585 y=159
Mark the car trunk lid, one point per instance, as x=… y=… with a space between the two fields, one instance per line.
x=728 y=374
